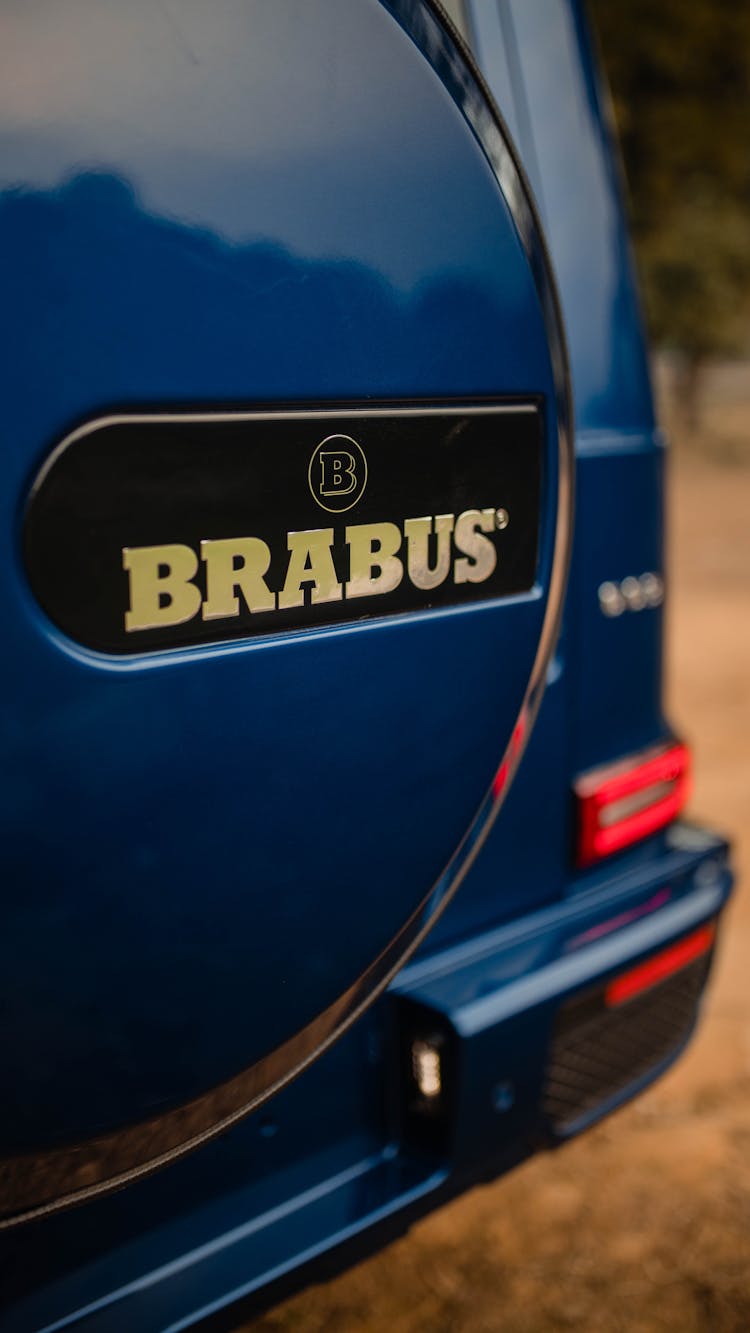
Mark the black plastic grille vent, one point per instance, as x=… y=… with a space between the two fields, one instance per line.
x=598 y=1052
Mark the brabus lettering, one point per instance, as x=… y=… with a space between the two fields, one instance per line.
x=374 y=567
x=378 y=556
x=236 y=565
x=480 y=553
x=417 y=531
x=310 y=562
x=161 y=588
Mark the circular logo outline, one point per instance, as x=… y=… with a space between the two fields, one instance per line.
x=344 y=508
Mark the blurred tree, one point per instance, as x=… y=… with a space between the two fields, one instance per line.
x=679 y=71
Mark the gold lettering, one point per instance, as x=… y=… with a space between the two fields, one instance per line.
x=157 y=573
x=418 y=532
x=374 y=567
x=236 y=563
x=481 y=553
x=163 y=593
x=310 y=561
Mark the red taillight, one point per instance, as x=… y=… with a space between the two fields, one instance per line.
x=623 y=802
x=662 y=965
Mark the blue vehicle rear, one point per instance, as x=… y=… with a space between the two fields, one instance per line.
x=343 y=859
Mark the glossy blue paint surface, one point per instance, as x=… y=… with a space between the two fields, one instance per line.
x=565 y=140
x=174 y=183
x=230 y=837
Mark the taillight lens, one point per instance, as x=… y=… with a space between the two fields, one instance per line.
x=621 y=803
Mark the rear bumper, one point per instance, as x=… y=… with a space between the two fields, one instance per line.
x=530 y=1054
x=521 y=1013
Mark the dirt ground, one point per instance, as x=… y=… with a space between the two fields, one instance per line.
x=643 y=1225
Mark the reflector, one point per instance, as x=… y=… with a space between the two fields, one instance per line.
x=661 y=966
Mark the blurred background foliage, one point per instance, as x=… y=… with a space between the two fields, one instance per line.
x=679 y=72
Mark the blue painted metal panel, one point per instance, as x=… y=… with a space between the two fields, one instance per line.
x=325 y=1161
x=566 y=144
x=236 y=833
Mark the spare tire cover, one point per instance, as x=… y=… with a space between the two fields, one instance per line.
x=234 y=245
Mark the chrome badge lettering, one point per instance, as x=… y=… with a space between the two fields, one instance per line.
x=377 y=557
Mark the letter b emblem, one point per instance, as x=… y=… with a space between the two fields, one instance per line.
x=337 y=474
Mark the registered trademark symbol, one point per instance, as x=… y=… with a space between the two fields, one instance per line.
x=502 y=519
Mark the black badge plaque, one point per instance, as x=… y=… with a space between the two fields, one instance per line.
x=155 y=531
